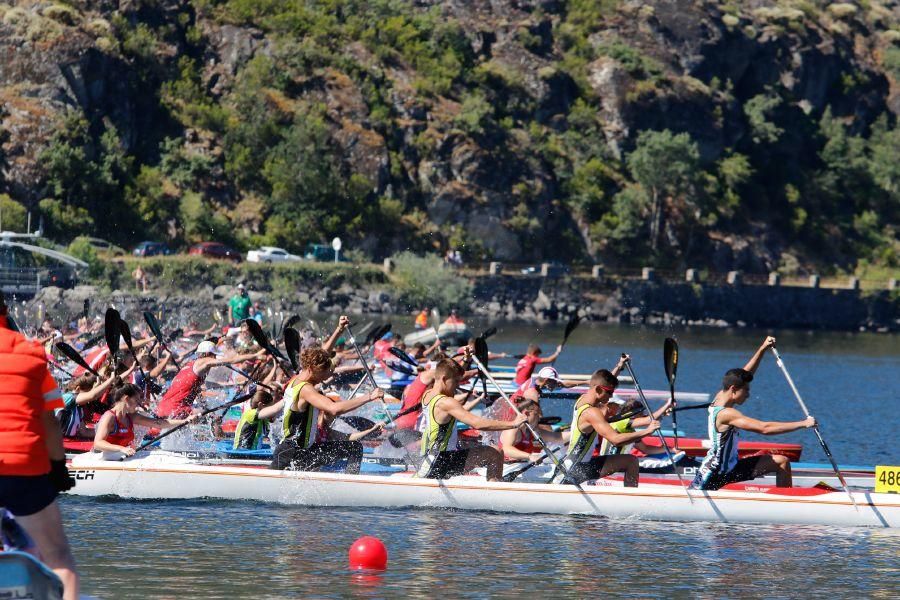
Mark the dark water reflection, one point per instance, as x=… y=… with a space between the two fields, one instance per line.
x=240 y=550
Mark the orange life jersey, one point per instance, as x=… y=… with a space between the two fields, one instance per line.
x=28 y=390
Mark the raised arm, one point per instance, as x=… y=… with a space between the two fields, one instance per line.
x=332 y=408
x=95 y=392
x=343 y=322
x=620 y=365
x=735 y=418
x=645 y=420
x=552 y=357
x=160 y=367
x=754 y=361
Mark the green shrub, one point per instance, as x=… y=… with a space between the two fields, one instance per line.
x=82 y=249
x=424 y=281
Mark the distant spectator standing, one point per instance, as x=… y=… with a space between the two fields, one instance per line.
x=140 y=279
x=422 y=319
x=239 y=306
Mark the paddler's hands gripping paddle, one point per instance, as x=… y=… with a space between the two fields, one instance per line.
x=533 y=431
x=156 y=330
x=369 y=375
x=662 y=438
x=802 y=404
x=670 y=362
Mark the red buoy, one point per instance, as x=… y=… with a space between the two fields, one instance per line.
x=368 y=553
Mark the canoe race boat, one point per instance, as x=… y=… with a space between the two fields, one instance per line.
x=158 y=475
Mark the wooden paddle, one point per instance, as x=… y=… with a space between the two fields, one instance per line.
x=637 y=386
x=670 y=363
x=73 y=355
x=825 y=449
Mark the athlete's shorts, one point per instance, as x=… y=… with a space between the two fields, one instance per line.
x=585 y=471
x=744 y=470
x=24 y=495
x=449 y=463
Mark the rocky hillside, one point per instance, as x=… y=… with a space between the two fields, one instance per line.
x=753 y=135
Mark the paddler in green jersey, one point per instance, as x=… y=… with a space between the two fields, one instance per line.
x=440 y=458
x=629 y=425
x=250 y=429
x=590 y=422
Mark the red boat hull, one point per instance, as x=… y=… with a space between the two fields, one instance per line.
x=697 y=447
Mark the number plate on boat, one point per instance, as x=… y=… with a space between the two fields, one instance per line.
x=887 y=479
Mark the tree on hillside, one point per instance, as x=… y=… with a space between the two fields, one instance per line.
x=665 y=165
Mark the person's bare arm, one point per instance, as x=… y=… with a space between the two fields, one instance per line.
x=735 y=418
x=334 y=409
x=508 y=439
x=146 y=421
x=645 y=420
x=95 y=392
x=551 y=358
x=753 y=364
x=620 y=365
x=358 y=435
x=456 y=410
x=604 y=430
x=343 y=322
x=160 y=367
x=270 y=411
x=100 y=433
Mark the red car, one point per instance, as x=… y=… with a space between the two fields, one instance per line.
x=215 y=250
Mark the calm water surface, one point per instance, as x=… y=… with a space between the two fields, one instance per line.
x=240 y=550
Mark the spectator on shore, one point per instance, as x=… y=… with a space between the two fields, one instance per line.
x=239 y=306
x=140 y=279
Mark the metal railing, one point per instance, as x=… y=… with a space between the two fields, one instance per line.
x=20 y=280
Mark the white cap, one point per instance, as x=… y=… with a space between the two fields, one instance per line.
x=240 y=286
x=617 y=400
x=549 y=373
x=207 y=347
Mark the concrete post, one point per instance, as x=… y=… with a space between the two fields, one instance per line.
x=734 y=278
x=893 y=284
x=774 y=279
x=691 y=276
x=495 y=268
x=814 y=281
x=648 y=274
x=597 y=271
x=853 y=284
x=388 y=266
x=545 y=269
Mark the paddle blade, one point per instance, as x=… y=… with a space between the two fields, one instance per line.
x=176 y=334
x=489 y=332
x=73 y=355
x=292 y=344
x=126 y=333
x=481 y=351
x=403 y=356
x=573 y=323
x=112 y=330
x=670 y=359
x=153 y=324
x=261 y=339
x=402 y=368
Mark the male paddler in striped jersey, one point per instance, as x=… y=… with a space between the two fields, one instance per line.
x=721 y=465
x=590 y=422
x=440 y=458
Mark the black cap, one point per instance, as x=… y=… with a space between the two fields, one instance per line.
x=737 y=378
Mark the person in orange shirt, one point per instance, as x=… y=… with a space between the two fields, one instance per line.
x=422 y=319
x=32 y=461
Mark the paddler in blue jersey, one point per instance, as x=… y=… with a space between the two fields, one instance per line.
x=721 y=465
x=590 y=421
x=441 y=411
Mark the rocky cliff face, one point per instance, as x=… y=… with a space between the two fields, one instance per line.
x=502 y=127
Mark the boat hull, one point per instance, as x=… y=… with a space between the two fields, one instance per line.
x=147 y=479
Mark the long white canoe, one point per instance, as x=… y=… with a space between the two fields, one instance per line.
x=167 y=477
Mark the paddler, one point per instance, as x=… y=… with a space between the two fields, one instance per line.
x=721 y=465
x=590 y=421
x=304 y=447
x=440 y=458
x=629 y=425
x=422 y=319
x=115 y=431
x=520 y=444
x=250 y=429
x=546 y=380
x=187 y=385
x=526 y=365
x=32 y=460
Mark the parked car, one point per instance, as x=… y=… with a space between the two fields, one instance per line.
x=151 y=249
x=322 y=252
x=101 y=245
x=271 y=254
x=215 y=250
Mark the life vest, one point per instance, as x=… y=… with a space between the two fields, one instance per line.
x=300 y=426
x=185 y=388
x=421 y=320
x=28 y=390
x=412 y=396
x=120 y=434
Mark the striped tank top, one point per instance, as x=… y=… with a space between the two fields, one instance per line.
x=723 y=451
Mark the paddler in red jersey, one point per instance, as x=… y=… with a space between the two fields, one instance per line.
x=721 y=464
x=115 y=431
x=520 y=444
x=526 y=365
x=32 y=461
x=187 y=385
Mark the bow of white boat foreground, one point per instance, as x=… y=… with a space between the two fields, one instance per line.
x=159 y=475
